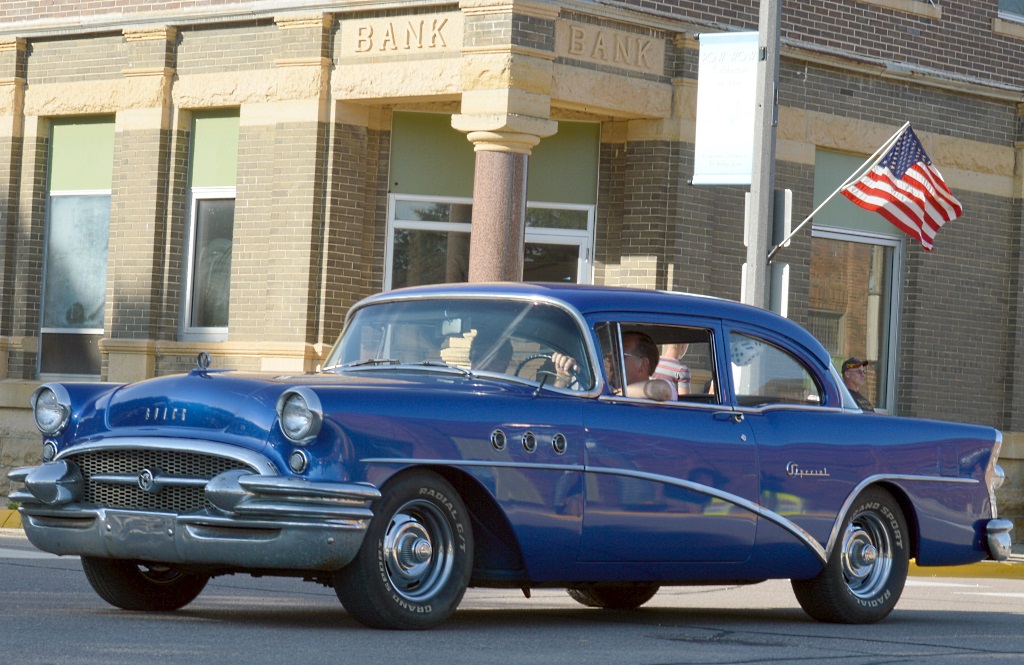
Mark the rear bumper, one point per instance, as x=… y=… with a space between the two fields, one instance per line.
x=259 y=522
x=997 y=533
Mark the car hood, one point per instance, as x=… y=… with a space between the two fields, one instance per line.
x=244 y=404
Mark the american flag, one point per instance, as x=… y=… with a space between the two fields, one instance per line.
x=906 y=189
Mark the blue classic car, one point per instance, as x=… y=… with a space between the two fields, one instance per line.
x=510 y=435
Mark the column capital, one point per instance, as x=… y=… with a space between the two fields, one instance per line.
x=503 y=141
x=504 y=133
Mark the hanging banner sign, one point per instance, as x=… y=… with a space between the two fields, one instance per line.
x=726 y=89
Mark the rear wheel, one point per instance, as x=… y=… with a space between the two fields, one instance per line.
x=614 y=596
x=142 y=586
x=415 y=562
x=867 y=569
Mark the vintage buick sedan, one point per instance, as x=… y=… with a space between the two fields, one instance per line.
x=507 y=435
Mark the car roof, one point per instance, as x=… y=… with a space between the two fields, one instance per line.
x=593 y=299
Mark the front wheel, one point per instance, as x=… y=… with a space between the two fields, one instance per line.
x=141 y=586
x=415 y=562
x=867 y=569
x=614 y=596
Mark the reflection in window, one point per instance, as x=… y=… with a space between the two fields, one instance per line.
x=429 y=257
x=765 y=374
x=75 y=284
x=429 y=242
x=211 y=265
x=484 y=336
x=851 y=303
x=1012 y=8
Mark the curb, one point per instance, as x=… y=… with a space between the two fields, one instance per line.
x=1012 y=569
x=10 y=519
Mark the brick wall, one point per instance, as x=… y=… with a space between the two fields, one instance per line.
x=228 y=48
x=86 y=58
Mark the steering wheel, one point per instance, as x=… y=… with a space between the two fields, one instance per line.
x=573 y=379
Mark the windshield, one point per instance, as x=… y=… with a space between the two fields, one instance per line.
x=509 y=337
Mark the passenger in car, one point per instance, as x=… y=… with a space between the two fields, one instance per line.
x=640 y=355
x=672 y=370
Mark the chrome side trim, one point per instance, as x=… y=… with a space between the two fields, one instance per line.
x=879 y=477
x=822 y=553
x=736 y=500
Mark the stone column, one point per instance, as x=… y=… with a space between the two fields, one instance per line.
x=506 y=107
x=138 y=208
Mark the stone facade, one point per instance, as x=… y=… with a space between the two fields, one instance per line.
x=316 y=84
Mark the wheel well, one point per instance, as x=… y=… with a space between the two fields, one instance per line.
x=497 y=558
x=909 y=514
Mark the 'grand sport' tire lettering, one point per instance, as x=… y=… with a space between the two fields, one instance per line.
x=864 y=576
x=415 y=562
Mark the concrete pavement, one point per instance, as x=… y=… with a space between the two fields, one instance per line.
x=10 y=522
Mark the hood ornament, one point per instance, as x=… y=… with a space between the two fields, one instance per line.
x=203 y=361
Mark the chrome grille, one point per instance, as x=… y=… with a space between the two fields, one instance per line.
x=179 y=463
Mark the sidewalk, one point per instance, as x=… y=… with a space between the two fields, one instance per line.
x=1013 y=568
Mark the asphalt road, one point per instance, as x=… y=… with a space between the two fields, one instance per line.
x=49 y=615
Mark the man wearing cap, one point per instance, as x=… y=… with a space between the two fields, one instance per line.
x=854 y=377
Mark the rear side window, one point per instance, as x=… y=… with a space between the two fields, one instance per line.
x=764 y=374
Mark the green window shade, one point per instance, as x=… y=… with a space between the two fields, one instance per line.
x=563 y=166
x=81 y=154
x=831 y=169
x=431 y=158
x=214 y=154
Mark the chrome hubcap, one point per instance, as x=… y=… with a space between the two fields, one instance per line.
x=867 y=555
x=418 y=551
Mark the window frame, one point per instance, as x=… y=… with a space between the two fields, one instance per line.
x=43 y=329
x=581 y=238
x=191 y=332
x=1009 y=16
x=898 y=245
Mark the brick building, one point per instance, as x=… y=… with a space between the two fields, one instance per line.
x=231 y=176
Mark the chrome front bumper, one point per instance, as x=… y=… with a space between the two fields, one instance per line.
x=259 y=522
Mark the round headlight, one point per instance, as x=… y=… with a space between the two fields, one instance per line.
x=300 y=415
x=51 y=408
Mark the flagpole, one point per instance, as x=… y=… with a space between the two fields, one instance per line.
x=866 y=166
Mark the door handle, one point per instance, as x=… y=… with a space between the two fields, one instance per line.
x=734 y=416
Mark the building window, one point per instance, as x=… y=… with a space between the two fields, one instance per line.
x=77 y=232
x=827 y=327
x=852 y=279
x=1011 y=9
x=212 y=230
x=428 y=241
x=212 y=173
x=856 y=269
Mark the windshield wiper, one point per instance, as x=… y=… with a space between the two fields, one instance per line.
x=435 y=363
x=362 y=363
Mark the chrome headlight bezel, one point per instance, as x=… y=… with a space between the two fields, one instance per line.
x=299 y=415
x=51 y=408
